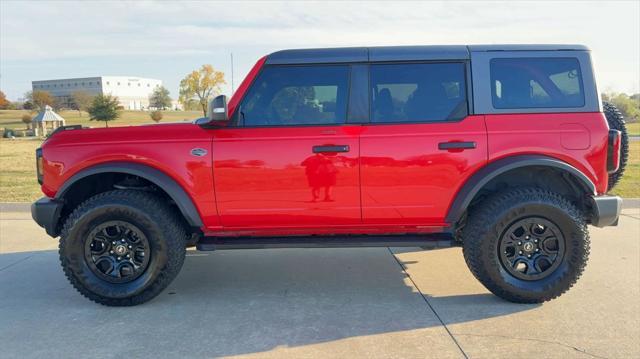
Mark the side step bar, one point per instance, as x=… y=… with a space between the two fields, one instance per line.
x=427 y=241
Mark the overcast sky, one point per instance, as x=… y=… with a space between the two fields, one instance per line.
x=165 y=40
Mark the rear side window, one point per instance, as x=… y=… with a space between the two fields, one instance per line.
x=536 y=83
x=418 y=92
x=296 y=95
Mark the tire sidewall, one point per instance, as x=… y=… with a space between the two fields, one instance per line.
x=571 y=260
x=75 y=240
x=616 y=121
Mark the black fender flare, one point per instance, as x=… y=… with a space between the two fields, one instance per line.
x=478 y=180
x=155 y=176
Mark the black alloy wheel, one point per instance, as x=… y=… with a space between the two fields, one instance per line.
x=531 y=248
x=117 y=251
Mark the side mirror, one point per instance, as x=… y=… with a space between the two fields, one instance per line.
x=218 y=111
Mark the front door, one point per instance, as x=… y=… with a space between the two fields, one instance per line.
x=420 y=145
x=290 y=162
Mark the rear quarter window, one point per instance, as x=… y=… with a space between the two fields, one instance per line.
x=540 y=82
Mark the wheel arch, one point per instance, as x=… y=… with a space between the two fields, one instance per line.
x=493 y=171
x=154 y=176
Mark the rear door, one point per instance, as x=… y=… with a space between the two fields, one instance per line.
x=291 y=162
x=421 y=144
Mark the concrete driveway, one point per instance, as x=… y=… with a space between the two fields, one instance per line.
x=319 y=303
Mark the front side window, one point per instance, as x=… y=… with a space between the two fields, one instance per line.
x=428 y=92
x=536 y=83
x=296 y=95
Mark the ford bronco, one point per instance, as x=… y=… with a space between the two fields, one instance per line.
x=506 y=151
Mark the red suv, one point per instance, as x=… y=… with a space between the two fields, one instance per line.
x=503 y=150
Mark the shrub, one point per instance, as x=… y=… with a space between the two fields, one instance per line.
x=156 y=116
x=26 y=119
x=628 y=105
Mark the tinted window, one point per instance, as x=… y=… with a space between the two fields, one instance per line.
x=418 y=92
x=296 y=95
x=536 y=83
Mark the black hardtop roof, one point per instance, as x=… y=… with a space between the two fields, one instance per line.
x=400 y=53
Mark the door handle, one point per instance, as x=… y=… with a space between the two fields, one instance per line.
x=456 y=145
x=330 y=149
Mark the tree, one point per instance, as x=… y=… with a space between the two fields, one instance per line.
x=160 y=99
x=190 y=105
x=4 y=103
x=628 y=105
x=40 y=99
x=28 y=105
x=156 y=116
x=104 y=108
x=202 y=85
x=81 y=101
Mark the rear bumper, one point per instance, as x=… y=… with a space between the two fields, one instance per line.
x=46 y=212
x=606 y=210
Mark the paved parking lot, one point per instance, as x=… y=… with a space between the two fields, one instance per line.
x=298 y=303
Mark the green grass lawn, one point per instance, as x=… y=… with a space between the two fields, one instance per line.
x=629 y=186
x=18 y=181
x=12 y=118
x=18 y=177
x=633 y=129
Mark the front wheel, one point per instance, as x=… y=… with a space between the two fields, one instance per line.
x=122 y=247
x=526 y=245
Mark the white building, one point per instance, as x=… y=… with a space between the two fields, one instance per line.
x=133 y=92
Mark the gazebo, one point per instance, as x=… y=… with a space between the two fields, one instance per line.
x=45 y=120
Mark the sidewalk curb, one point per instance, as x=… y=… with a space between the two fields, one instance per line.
x=15 y=207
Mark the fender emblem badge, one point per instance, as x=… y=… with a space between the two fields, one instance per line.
x=198 y=152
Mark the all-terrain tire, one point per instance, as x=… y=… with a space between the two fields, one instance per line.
x=616 y=122
x=164 y=233
x=489 y=221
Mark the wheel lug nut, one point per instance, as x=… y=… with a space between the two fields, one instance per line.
x=529 y=256
x=519 y=243
x=535 y=241
x=111 y=252
x=114 y=242
x=130 y=247
x=119 y=258
x=520 y=252
x=527 y=237
x=122 y=240
x=537 y=250
x=128 y=256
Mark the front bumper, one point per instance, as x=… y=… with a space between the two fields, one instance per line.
x=46 y=212
x=606 y=210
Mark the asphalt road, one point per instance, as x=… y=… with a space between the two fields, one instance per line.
x=320 y=303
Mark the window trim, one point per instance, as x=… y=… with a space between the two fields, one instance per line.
x=235 y=122
x=358 y=108
x=468 y=91
x=482 y=91
x=492 y=82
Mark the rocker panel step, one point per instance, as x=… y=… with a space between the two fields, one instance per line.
x=428 y=241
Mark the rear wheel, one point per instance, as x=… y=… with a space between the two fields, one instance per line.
x=616 y=122
x=526 y=245
x=122 y=247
